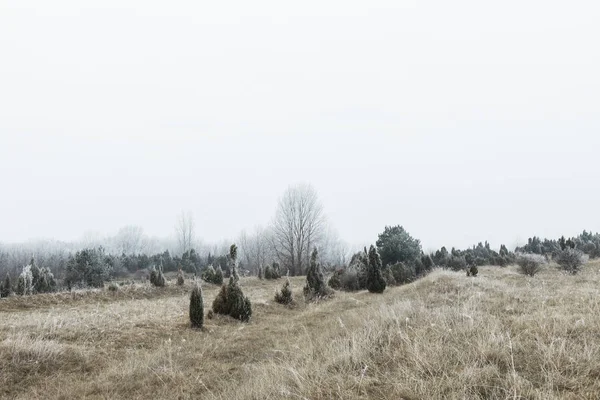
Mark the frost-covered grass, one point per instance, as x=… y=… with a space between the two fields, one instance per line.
x=499 y=335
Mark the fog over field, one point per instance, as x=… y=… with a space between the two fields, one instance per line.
x=461 y=121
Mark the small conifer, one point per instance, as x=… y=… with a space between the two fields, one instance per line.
x=285 y=295
x=315 y=282
x=196 y=307
x=375 y=281
x=231 y=300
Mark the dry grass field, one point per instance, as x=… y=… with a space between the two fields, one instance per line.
x=500 y=335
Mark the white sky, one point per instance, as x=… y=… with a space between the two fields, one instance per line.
x=461 y=120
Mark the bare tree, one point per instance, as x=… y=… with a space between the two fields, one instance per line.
x=130 y=240
x=255 y=250
x=185 y=231
x=297 y=227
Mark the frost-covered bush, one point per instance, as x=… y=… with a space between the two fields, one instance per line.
x=180 y=279
x=272 y=271
x=345 y=279
x=25 y=282
x=457 y=263
x=316 y=287
x=87 y=268
x=530 y=264
x=212 y=275
x=571 y=259
x=157 y=278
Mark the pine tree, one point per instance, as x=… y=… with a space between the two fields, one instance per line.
x=375 y=280
x=196 y=307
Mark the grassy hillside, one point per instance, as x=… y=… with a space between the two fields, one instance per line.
x=500 y=335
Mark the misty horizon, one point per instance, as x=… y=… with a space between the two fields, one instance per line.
x=460 y=126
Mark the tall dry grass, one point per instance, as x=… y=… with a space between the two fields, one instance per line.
x=500 y=335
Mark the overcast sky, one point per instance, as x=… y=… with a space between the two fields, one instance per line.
x=461 y=120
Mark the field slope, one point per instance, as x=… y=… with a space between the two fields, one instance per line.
x=497 y=336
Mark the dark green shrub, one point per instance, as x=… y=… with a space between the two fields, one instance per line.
x=272 y=272
x=87 y=268
x=220 y=304
x=231 y=300
x=472 y=270
x=153 y=276
x=196 y=307
x=240 y=306
x=315 y=288
x=212 y=275
x=396 y=245
x=284 y=296
x=403 y=273
x=375 y=281
x=157 y=278
x=335 y=281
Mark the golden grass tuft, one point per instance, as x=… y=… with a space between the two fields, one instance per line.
x=499 y=335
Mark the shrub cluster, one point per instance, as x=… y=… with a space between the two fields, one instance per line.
x=231 y=300
x=316 y=287
x=354 y=277
x=272 y=271
x=571 y=259
x=212 y=275
x=88 y=268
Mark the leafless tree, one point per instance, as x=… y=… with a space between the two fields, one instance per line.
x=185 y=231
x=255 y=249
x=298 y=225
x=130 y=240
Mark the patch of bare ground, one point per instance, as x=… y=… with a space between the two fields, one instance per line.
x=499 y=335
